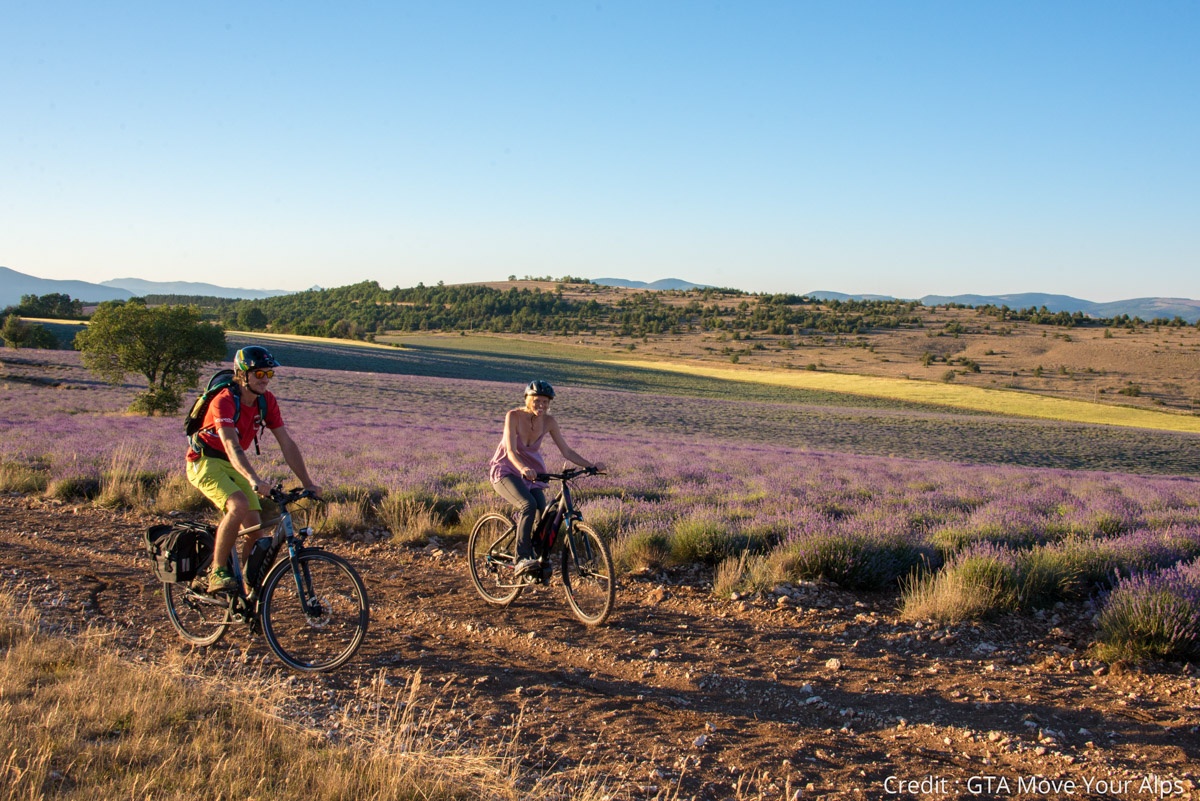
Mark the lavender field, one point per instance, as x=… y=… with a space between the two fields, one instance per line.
x=759 y=491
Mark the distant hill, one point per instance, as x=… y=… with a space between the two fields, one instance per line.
x=139 y=287
x=843 y=296
x=1145 y=308
x=14 y=284
x=663 y=283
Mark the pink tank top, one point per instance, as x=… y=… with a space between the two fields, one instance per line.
x=502 y=466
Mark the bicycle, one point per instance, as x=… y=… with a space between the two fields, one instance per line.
x=587 y=567
x=313 y=622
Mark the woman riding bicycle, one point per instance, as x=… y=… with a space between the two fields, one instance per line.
x=517 y=461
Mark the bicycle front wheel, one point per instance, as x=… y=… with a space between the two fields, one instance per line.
x=314 y=611
x=199 y=619
x=490 y=550
x=588 y=575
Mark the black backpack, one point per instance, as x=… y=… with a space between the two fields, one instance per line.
x=222 y=380
x=179 y=551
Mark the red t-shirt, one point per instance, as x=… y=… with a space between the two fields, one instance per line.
x=220 y=413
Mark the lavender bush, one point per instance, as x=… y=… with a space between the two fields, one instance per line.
x=1153 y=616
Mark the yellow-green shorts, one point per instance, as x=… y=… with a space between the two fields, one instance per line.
x=217 y=479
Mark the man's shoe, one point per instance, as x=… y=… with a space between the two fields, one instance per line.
x=221 y=580
x=526 y=566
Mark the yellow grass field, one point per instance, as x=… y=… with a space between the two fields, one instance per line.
x=231 y=334
x=995 y=401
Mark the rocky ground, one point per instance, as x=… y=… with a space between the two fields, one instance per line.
x=809 y=690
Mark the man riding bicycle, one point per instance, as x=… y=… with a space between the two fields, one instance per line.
x=217 y=463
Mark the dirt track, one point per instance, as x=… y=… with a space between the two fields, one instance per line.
x=681 y=695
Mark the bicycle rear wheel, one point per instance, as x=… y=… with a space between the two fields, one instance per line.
x=198 y=618
x=314 y=611
x=490 y=550
x=588 y=575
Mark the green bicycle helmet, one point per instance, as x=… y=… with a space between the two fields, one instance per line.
x=539 y=387
x=254 y=357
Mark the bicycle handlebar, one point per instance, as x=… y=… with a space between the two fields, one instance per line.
x=569 y=473
x=287 y=497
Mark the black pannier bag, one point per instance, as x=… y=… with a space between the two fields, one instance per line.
x=178 y=551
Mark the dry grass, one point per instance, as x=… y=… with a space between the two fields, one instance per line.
x=344 y=515
x=126 y=484
x=77 y=722
x=176 y=494
x=73 y=488
x=410 y=521
x=949 y=597
x=18 y=477
x=641 y=549
x=747 y=573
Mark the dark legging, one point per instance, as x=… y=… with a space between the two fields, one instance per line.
x=528 y=502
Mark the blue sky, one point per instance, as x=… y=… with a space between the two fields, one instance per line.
x=900 y=148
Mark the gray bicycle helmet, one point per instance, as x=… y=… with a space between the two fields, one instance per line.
x=254 y=357
x=539 y=387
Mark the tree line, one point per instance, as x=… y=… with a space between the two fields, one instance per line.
x=366 y=310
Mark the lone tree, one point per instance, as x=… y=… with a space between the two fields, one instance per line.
x=166 y=344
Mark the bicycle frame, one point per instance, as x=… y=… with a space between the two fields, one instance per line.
x=244 y=606
x=559 y=515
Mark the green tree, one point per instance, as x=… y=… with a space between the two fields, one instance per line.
x=252 y=318
x=166 y=344
x=17 y=333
